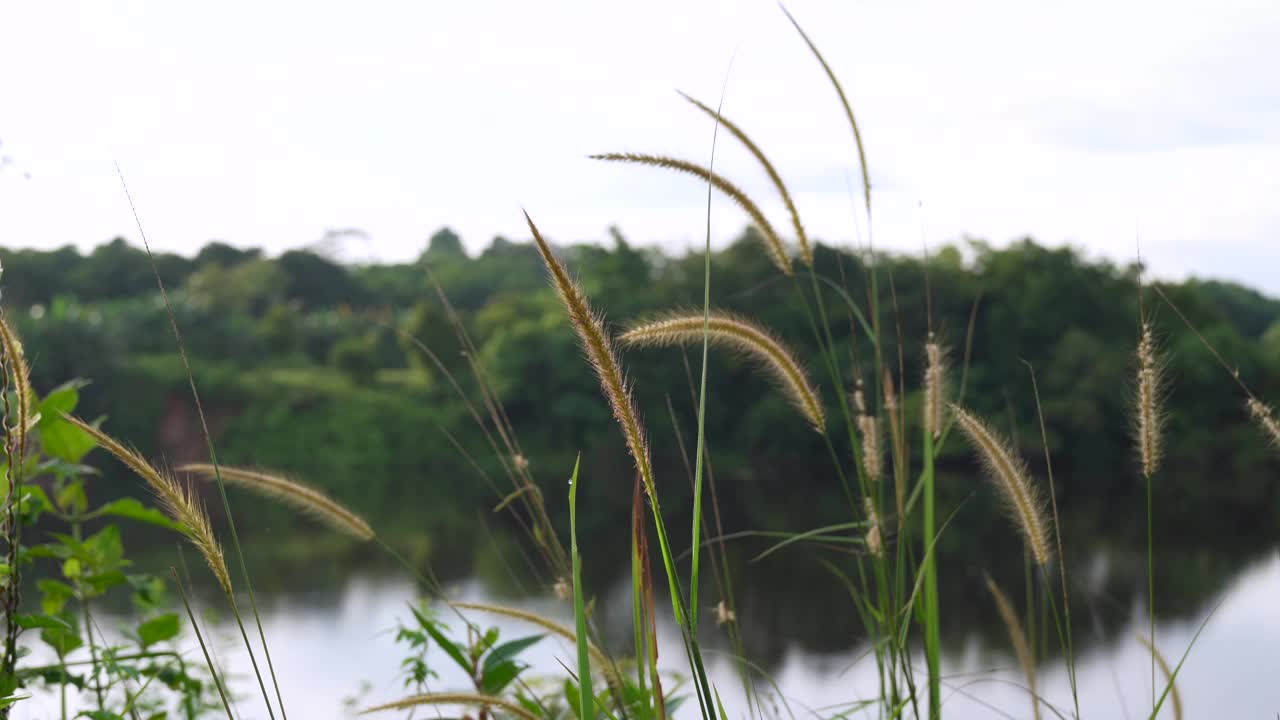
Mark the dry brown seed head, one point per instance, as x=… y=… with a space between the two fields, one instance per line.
x=773 y=243
x=1265 y=418
x=1009 y=474
x=602 y=356
x=935 y=389
x=292 y=492
x=1148 y=412
x=740 y=334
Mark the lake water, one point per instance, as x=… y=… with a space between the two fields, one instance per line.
x=334 y=646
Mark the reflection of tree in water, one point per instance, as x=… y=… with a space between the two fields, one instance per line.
x=792 y=600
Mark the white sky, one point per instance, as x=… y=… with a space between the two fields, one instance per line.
x=268 y=124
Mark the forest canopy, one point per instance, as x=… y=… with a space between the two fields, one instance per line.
x=310 y=366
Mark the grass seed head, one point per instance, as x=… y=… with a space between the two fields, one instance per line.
x=738 y=333
x=1265 y=418
x=773 y=243
x=290 y=492
x=806 y=252
x=935 y=386
x=1012 y=480
x=178 y=501
x=598 y=347
x=1148 y=409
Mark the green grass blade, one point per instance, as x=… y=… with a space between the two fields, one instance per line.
x=579 y=609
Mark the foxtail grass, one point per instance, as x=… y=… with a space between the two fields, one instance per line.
x=773 y=243
x=21 y=371
x=176 y=500
x=1148 y=418
x=935 y=386
x=290 y=492
x=1018 y=638
x=15 y=451
x=874 y=537
x=598 y=347
x=600 y=352
x=1148 y=413
x=872 y=457
x=1265 y=418
x=742 y=335
x=844 y=102
x=802 y=238
x=1010 y=475
x=477 y=700
x=222 y=490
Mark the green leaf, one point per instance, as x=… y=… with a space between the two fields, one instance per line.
x=54 y=595
x=31 y=622
x=71 y=568
x=451 y=649
x=105 y=549
x=158 y=629
x=101 y=582
x=133 y=509
x=7 y=701
x=62 y=641
x=71 y=498
x=509 y=651
x=497 y=677
x=148 y=591
x=58 y=437
x=33 y=503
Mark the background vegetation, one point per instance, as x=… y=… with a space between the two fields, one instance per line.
x=304 y=370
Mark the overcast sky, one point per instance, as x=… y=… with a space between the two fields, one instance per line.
x=267 y=124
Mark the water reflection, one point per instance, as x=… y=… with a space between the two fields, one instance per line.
x=335 y=646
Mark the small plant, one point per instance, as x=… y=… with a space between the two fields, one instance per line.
x=76 y=545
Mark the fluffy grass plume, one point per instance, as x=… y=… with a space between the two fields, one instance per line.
x=740 y=334
x=1265 y=418
x=175 y=499
x=806 y=252
x=874 y=538
x=872 y=458
x=773 y=243
x=1148 y=415
x=604 y=360
x=290 y=492
x=1018 y=637
x=1009 y=473
x=17 y=362
x=1174 y=698
x=869 y=430
x=844 y=102
x=481 y=701
x=935 y=386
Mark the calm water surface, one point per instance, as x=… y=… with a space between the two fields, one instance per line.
x=335 y=647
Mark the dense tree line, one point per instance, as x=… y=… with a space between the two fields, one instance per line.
x=309 y=366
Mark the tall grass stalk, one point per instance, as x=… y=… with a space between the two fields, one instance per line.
x=932 y=624
x=213 y=458
x=13 y=362
x=604 y=361
x=1067 y=641
x=208 y=659
x=585 y=695
x=696 y=544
